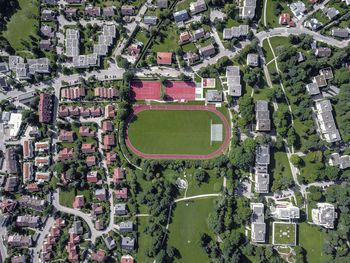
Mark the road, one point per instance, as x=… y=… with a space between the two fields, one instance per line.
x=39 y=244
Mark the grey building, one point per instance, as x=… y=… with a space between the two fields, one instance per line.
x=340 y=32
x=258 y=226
x=11 y=160
x=198 y=7
x=214 y=96
x=326 y=121
x=128 y=243
x=253 y=60
x=110 y=243
x=262 y=116
x=162 y=3
x=150 y=20
x=233 y=81
x=181 y=16
x=126 y=226
x=324 y=215
x=121 y=209
x=207 y=51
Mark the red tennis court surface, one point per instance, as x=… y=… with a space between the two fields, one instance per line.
x=180 y=90
x=145 y=90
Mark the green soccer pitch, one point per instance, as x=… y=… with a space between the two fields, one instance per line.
x=174 y=132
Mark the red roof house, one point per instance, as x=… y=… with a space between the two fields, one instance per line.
x=164 y=58
x=91 y=177
x=66 y=154
x=87 y=148
x=98 y=256
x=111 y=157
x=79 y=202
x=118 y=175
x=122 y=193
x=90 y=161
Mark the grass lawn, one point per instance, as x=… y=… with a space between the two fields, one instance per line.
x=189 y=47
x=280 y=166
x=267 y=51
x=170 y=41
x=67 y=197
x=144 y=241
x=320 y=16
x=279 y=41
x=312 y=161
x=141 y=37
x=189 y=221
x=173 y=132
x=185 y=4
x=284 y=233
x=311 y=239
x=22 y=25
x=271 y=19
x=262 y=94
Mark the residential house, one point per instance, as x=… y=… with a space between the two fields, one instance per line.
x=181 y=16
x=191 y=58
x=198 y=7
x=32 y=203
x=28 y=151
x=107 y=126
x=323 y=52
x=11 y=160
x=93 y=11
x=11 y=184
x=121 y=209
x=286 y=20
x=79 y=202
x=110 y=243
x=73 y=93
x=28 y=171
x=162 y=3
x=122 y=193
x=66 y=154
x=340 y=32
x=111 y=157
x=106 y=93
x=88 y=148
x=108 y=141
x=99 y=256
x=118 y=175
x=150 y=20
x=46 y=45
x=298 y=9
x=91 y=176
x=19 y=241
x=164 y=58
x=48 y=15
x=101 y=194
x=42 y=161
x=109 y=111
x=86 y=131
x=127 y=10
x=90 y=160
x=66 y=136
x=343 y=162
x=331 y=12
x=28 y=221
x=108 y=11
x=248 y=9
x=125 y=226
x=207 y=51
x=128 y=243
x=45 y=108
x=127 y=259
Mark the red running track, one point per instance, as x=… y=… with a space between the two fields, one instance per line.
x=211 y=108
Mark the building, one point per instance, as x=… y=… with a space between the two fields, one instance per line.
x=79 y=202
x=121 y=209
x=86 y=61
x=122 y=193
x=127 y=10
x=14 y=124
x=198 y=34
x=72 y=42
x=298 y=9
x=326 y=121
x=285 y=211
x=118 y=175
x=127 y=259
x=126 y=226
x=32 y=203
x=181 y=16
x=343 y=162
x=323 y=52
x=28 y=149
x=28 y=221
x=108 y=141
x=73 y=93
x=214 y=96
x=11 y=184
x=235 y=32
x=313 y=24
x=233 y=81
x=253 y=60
x=19 y=241
x=313 y=89
x=128 y=243
x=162 y=3
x=93 y=11
x=164 y=58
x=108 y=11
x=66 y=136
x=262 y=161
x=331 y=12
x=11 y=160
x=39 y=65
x=324 y=215
x=66 y=154
x=45 y=108
x=43 y=146
x=286 y=20
x=101 y=194
x=198 y=7
x=340 y=32
x=109 y=111
x=99 y=256
x=106 y=93
x=150 y=20
x=262 y=116
x=110 y=243
x=42 y=161
x=48 y=15
x=86 y=131
x=248 y=9
x=258 y=226
x=28 y=172
x=207 y=51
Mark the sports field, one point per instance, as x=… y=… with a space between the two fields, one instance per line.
x=164 y=130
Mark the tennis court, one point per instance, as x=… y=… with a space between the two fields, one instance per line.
x=180 y=90
x=145 y=90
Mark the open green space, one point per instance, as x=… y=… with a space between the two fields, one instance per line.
x=272 y=19
x=280 y=169
x=168 y=42
x=184 y=4
x=144 y=241
x=311 y=238
x=67 y=197
x=312 y=162
x=174 y=132
x=189 y=47
x=141 y=37
x=22 y=27
x=284 y=233
x=189 y=221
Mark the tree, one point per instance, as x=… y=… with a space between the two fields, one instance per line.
x=296 y=160
x=201 y=176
